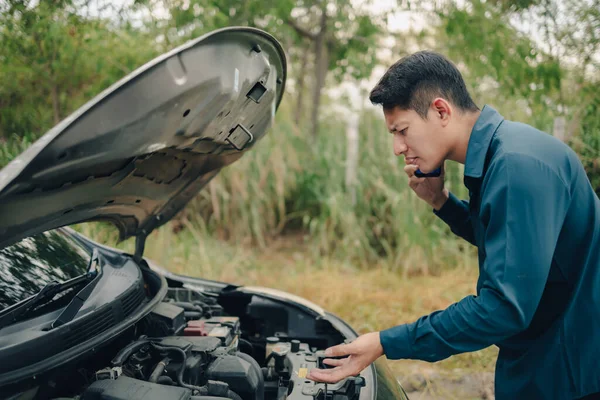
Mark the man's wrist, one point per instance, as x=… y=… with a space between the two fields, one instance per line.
x=380 y=350
x=439 y=201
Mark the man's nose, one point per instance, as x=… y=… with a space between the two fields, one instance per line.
x=400 y=146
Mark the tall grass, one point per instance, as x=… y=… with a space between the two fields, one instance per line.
x=294 y=182
x=13 y=146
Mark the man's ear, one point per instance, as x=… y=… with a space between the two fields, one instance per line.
x=443 y=110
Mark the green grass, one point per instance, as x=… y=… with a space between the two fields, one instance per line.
x=13 y=146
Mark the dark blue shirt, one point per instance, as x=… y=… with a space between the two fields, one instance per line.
x=535 y=220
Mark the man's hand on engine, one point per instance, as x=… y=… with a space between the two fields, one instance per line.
x=361 y=353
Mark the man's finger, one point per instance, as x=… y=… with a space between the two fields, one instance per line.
x=340 y=350
x=416 y=180
x=410 y=169
x=317 y=374
x=329 y=375
x=334 y=362
x=327 y=371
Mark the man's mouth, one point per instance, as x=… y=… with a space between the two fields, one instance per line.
x=410 y=160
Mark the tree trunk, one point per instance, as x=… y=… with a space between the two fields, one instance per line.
x=55 y=104
x=321 y=61
x=559 y=129
x=352 y=156
x=300 y=95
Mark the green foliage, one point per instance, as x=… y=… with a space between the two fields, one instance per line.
x=353 y=54
x=55 y=56
x=54 y=59
x=515 y=5
x=587 y=143
x=352 y=32
x=12 y=147
x=533 y=79
x=480 y=37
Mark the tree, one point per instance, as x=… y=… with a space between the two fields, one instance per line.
x=344 y=39
x=54 y=56
x=544 y=54
x=341 y=36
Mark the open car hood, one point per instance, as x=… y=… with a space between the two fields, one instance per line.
x=139 y=151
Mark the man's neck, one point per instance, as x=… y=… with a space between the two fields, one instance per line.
x=465 y=124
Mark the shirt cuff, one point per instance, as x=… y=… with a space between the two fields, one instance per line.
x=396 y=342
x=452 y=210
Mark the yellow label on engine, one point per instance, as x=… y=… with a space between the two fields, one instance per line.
x=302 y=372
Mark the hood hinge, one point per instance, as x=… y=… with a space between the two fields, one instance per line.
x=140 y=243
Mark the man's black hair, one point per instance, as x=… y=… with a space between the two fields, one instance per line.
x=414 y=81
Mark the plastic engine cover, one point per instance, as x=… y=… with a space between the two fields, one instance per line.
x=125 y=388
x=242 y=377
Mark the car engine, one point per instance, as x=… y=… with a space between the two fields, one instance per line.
x=188 y=348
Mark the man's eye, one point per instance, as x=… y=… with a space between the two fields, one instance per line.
x=403 y=131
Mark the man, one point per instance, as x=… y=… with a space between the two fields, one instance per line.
x=535 y=220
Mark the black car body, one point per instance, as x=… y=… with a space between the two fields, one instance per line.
x=80 y=320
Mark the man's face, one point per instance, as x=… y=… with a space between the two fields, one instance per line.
x=420 y=141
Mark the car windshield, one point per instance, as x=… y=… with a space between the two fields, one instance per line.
x=30 y=264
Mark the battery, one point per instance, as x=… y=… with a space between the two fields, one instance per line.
x=166 y=320
x=224 y=328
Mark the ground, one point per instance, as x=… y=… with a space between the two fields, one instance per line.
x=437 y=384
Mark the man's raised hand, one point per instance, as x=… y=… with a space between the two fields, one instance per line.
x=360 y=354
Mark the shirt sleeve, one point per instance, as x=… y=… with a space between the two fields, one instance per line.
x=456 y=214
x=524 y=204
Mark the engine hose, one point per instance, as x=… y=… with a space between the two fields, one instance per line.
x=233 y=395
x=248 y=346
x=188 y=306
x=128 y=350
x=165 y=380
x=208 y=398
x=192 y=315
x=261 y=379
x=202 y=390
x=158 y=370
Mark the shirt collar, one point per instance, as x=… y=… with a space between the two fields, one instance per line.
x=479 y=142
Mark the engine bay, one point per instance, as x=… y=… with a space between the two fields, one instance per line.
x=207 y=346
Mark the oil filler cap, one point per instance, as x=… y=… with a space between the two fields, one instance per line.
x=295 y=346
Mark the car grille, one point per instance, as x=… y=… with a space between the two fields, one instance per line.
x=87 y=328
x=105 y=319
x=132 y=300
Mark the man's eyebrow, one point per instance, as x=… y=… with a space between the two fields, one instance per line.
x=394 y=127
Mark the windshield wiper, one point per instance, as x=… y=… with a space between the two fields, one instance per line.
x=12 y=315
x=77 y=302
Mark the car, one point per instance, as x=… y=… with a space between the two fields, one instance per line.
x=81 y=320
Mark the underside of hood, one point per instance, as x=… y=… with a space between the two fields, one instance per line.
x=139 y=151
